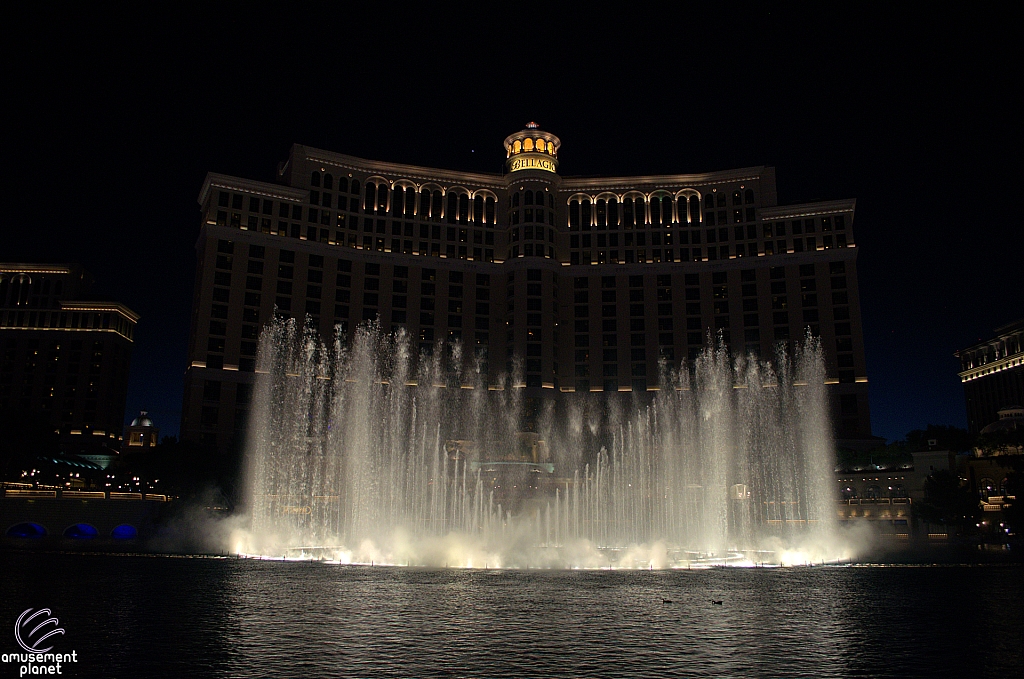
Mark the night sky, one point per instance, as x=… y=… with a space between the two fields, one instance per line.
x=117 y=117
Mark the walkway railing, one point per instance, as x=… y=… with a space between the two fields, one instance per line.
x=39 y=493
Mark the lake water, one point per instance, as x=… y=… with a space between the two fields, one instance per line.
x=157 y=616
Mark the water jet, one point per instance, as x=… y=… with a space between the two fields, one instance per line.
x=364 y=452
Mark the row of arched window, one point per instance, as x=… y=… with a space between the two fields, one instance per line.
x=454 y=205
x=634 y=211
x=431 y=204
x=326 y=180
x=15 y=288
x=459 y=206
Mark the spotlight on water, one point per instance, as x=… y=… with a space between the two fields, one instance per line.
x=368 y=453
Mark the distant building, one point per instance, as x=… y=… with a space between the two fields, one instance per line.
x=64 y=357
x=591 y=281
x=141 y=434
x=992 y=373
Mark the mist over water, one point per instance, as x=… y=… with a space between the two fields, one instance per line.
x=368 y=453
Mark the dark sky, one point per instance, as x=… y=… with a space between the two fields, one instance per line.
x=118 y=115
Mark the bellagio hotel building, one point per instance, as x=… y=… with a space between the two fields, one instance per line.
x=590 y=281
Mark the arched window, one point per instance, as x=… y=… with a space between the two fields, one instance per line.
x=410 y=202
x=328 y=181
x=369 y=198
x=574 y=214
x=661 y=211
x=681 y=209
x=709 y=201
x=873 y=492
x=436 y=202
x=737 y=198
x=343 y=184
x=528 y=198
x=489 y=211
x=478 y=210
x=464 y=208
x=424 y=204
x=314 y=180
x=695 y=210
x=382 y=198
x=585 y=212
x=398 y=203
x=748 y=197
x=527 y=144
x=355 y=186
x=540 y=198
x=633 y=212
x=452 y=211
x=517 y=146
x=515 y=200
x=601 y=213
x=986 y=488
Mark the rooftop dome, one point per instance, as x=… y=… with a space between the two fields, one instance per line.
x=142 y=420
x=1010 y=419
x=532 y=149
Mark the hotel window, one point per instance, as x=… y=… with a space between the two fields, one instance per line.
x=661 y=211
x=451 y=212
x=633 y=212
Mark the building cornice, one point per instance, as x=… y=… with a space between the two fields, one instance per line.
x=223 y=181
x=998 y=365
x=34 y=268
x=116 y=307
x=825 y=207
x=652 y=182
x=398 y=170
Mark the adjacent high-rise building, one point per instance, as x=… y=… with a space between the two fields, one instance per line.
x=591 y=282
x=63 y=358
x=992 y=373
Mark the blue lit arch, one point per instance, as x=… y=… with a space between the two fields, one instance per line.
x=124 y=532
x=28 y=529
x=81 y=531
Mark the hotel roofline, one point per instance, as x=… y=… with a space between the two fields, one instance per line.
x=490 y=180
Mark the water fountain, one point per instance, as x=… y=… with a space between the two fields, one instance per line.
x=368 y=453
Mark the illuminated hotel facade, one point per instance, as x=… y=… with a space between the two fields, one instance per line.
x=64 y=358
x=992 y=373
x=589 y=281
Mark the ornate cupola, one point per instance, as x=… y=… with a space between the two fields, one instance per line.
x=532 y=149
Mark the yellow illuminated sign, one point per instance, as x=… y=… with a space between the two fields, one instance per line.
x=532 y=162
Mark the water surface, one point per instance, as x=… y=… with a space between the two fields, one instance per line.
x=145 y=616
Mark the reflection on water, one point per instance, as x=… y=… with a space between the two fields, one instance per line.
x=153 y=617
